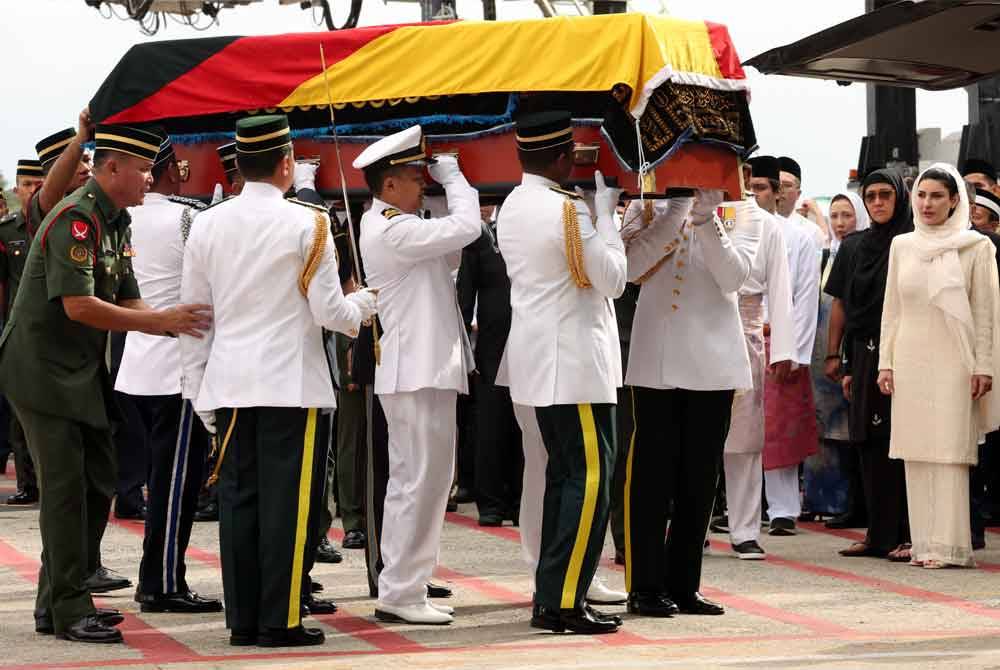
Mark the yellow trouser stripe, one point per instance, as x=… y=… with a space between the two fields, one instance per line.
x=628 y=496
x=302 y=522
x=589 y=506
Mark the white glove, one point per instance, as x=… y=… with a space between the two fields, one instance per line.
x=706 y=201
x=364 y=300
x=605 y=197
x=444 y=170
x=305 y=176
x=207 y=418
x=217 y=194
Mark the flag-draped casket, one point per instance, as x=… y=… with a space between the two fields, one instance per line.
x=647 y=93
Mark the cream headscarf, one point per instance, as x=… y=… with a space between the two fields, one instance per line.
x=939 y=247
x=864 y=221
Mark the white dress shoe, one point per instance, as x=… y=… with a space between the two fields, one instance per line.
x=445 y=609
x=420 y=614
x=600 y=593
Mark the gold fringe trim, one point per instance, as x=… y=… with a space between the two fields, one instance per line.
x=574 y=245
x=320 y=233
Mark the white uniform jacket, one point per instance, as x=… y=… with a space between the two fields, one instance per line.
x=423 y=340
x=151 y=365
x=563 y=345
x=244 y=257
x=771 y=278
x=804 y=260
x=687 y=331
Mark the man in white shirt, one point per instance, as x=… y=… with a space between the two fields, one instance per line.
x=423 y=360
x=268 y=268
x=791 y=430
x=685 y=363
x=563 y=360
x=150 y=372
x=768 y=278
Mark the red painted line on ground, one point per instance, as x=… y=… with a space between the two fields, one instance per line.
x=880 y=584
x=155 y=646
x=857 y=536
x=362 y=629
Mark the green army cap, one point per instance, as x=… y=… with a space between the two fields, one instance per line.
x=257 y=134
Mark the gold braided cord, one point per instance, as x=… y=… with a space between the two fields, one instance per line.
x=221 y=450
x=312 y=263
x=574 y=245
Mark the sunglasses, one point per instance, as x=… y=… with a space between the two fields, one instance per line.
x=872 y=196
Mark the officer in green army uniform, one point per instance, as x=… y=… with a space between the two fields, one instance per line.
x=14 y=241
x=78 y=285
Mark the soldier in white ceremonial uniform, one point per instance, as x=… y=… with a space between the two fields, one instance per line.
x=150 y=372
x=743 y=457
x=686 y=360
x=268 y=268
x=425 y=358
x=563 y=364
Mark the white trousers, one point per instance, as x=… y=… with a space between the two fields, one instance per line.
x=781 y=487
x=532 y=485
x=421 y=466
x=744 y=480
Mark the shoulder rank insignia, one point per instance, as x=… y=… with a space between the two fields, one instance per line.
x=573 y=195
x=194 y=203
x=318 y=208
x=391 y=212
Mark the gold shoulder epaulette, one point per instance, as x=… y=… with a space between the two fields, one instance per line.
x=318 y=208
x=311 y=265
x=391 y=212
x=569 y=194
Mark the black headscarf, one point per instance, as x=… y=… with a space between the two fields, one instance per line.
x=866 y=292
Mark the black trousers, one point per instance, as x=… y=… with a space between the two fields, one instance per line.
x=626 y=434
x=674 y=459
x=76 y=476
x=580 y=441
x=499 y=458
x=374 y=463
x=27 y=481
x=884 y=481
x=265 y=495
x=465 y=417
x=320 y=517
x=132 y=448
x=178 y=443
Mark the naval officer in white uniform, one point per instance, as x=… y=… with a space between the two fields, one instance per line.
x=424 y=357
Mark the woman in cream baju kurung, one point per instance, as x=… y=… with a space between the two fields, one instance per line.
x=939 y=326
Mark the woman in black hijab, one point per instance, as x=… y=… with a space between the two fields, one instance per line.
x=857 y=284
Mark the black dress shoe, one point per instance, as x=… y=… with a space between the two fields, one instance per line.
x=327 y=553
x=314 y=605
x=490 y=520
x=646 y=603
x=782 y=527
x=315 y=586
x=578 y=620
x=464 y=496
x=91 y=629
x=104 y=580
x=131 y=514
x=290 y=637
x=242 y=638
x=847 y=520
x=452 y=505
x=438 y=591
x=209 y=512
x=107 y=616
x=601 y=616
x=354 y=539
x=699 y=604
x=190 y=603
x=23 y=498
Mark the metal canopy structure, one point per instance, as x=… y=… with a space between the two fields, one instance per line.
x=929 y=44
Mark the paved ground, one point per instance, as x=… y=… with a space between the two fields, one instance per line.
x=804 y=606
